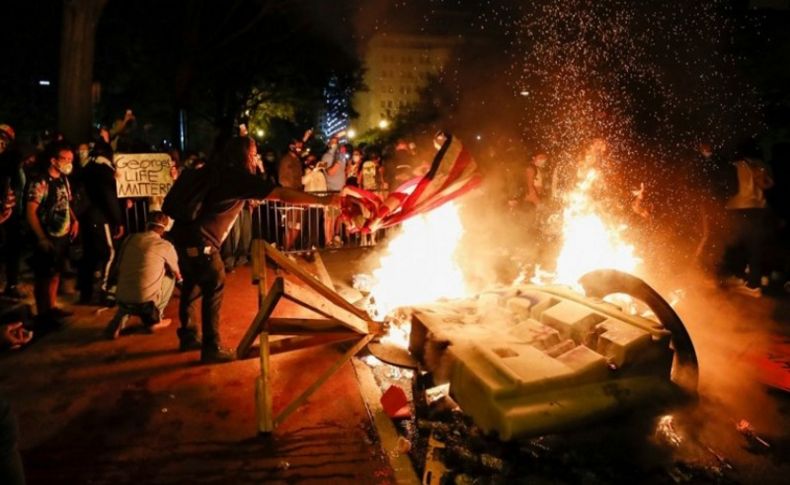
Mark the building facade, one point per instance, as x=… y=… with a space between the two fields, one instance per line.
x=398 y=67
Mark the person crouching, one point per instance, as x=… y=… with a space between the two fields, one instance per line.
x=147 y=275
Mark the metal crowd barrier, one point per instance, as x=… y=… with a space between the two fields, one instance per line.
x=271 y=221
x=136 y=216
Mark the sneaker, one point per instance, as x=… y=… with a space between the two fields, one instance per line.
x=14 y=293
x=163 y=323
x=108 y=300
x=114 y=328
x=189 y=343
x=217 y=356
x=748 y=291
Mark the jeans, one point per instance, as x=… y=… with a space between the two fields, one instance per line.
x=204 y=277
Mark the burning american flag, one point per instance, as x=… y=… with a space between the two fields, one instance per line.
x=452 y=174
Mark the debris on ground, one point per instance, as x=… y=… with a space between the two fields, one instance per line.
x=745 y=428
x=395 y=403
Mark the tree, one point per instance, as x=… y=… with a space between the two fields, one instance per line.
x=78 y=39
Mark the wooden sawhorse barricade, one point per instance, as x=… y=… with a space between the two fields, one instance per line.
x=342 y=321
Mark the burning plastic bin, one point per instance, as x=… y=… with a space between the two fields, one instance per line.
x=533 y=360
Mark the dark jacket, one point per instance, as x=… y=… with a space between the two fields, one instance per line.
x=220 y=208
x=98 y=180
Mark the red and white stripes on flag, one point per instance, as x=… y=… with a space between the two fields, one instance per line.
x=452 y=174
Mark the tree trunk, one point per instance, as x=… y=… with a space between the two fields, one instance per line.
x=75 y=108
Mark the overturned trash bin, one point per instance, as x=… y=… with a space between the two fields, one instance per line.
x=531 y=360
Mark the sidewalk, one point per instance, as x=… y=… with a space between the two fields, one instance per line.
x=137 y=411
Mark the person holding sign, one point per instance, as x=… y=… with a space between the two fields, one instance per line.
x=205 y=205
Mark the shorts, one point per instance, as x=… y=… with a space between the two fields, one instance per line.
x=46 y=264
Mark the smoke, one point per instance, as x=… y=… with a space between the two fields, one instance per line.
x=652 y=80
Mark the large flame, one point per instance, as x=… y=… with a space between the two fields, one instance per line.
x=588 y=241
x=419 y=263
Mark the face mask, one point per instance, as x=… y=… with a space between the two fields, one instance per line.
x=65 y=168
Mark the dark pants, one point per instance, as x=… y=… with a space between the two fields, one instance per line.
x=747 y=237
x=98 y=253
x=12 y=248
x=204 y=276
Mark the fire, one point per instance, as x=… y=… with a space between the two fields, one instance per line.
x=419 y=263
x=589 y=242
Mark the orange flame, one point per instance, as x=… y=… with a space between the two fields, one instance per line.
x=588 y=241
x=419 y=264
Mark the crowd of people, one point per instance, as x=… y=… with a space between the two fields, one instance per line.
x=62 y=216
x=60 y=213
x=724 y=211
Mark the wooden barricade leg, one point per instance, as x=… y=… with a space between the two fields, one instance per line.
x=342 y=321
x=322 y=378
x=263 y=389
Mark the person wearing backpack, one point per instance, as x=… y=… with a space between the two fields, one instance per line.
x=204 y=205
x=52 y=221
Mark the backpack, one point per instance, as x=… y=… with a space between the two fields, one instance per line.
x=184 y=201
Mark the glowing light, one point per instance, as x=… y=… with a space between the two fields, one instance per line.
x=259 y=132
x=524 y=93
x=384 y=124
x=419 y=265
x=590 y=243
x=351 y=134
x=398 y=334
x=478 y=137
x=44 y=82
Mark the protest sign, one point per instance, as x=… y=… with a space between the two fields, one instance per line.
x=142 y=174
